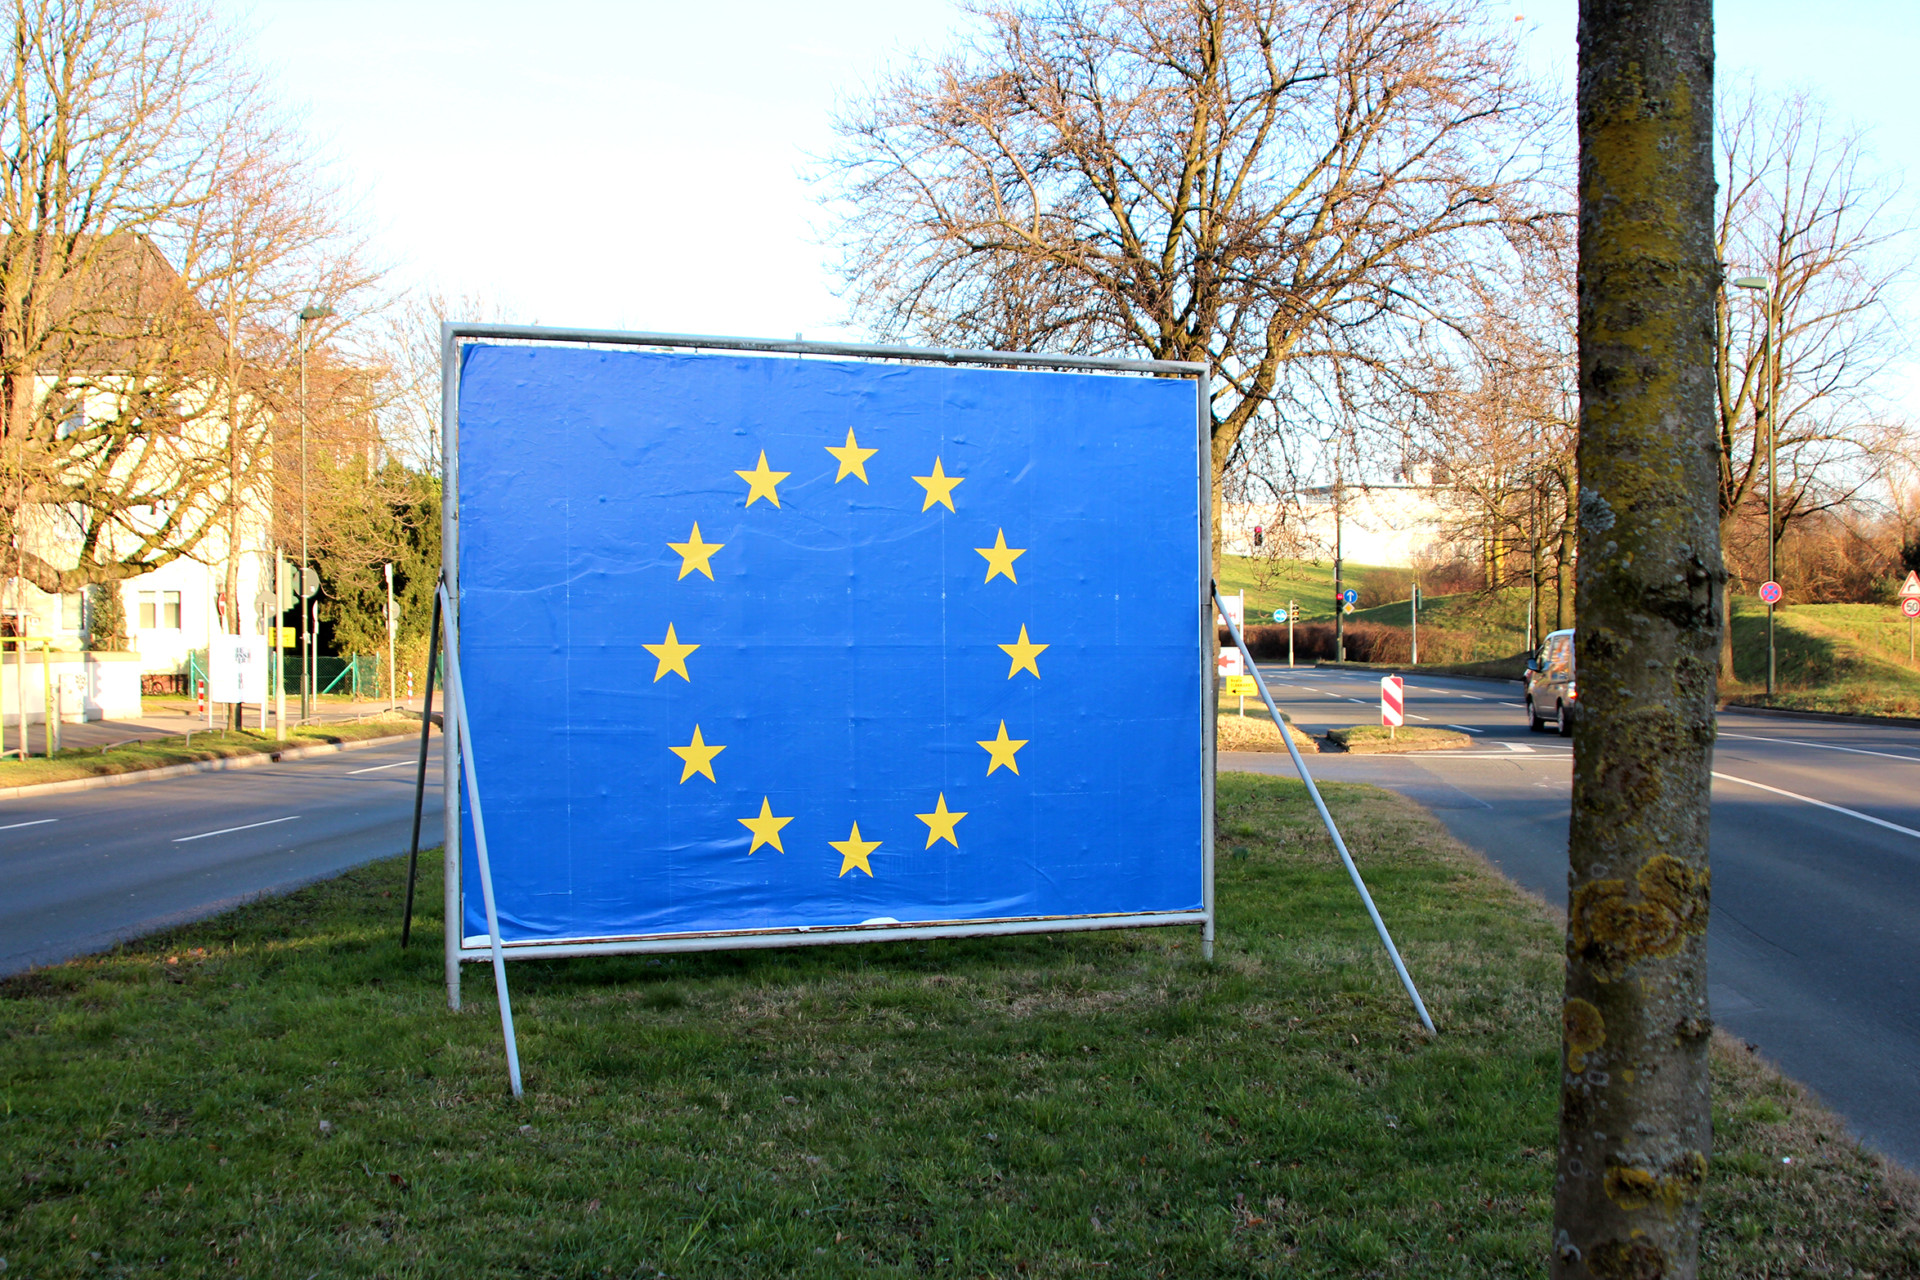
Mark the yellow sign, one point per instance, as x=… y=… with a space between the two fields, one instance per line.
x=286 y=636
x=1242 y=687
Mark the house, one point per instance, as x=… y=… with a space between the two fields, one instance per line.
x=134 y=352
x=1391 y=525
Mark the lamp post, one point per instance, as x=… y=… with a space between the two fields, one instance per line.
x=308 y=668
x=1768 y=300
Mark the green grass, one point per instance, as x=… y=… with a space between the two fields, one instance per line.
x=1375 y=739
x=1849 y=658
x=1270 y=584
x=280 y=1092
x=157 y=753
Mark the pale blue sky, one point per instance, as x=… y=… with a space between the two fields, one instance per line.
x=637 y=165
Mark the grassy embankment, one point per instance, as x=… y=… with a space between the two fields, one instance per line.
x=157 y=753
x=1378 y=740
x=280 y=1092
x=1849 y=658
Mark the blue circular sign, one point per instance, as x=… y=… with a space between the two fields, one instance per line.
x=1279 y=615
x=1770 y=592
x=1350 y=596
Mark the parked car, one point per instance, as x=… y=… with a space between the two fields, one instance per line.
x=1552 y=696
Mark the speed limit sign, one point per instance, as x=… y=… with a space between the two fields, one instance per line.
x=1911 y=606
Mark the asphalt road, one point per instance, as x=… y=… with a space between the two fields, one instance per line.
x=82 y=870
x=1816 y=867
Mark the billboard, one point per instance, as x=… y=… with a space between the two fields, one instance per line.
x=760 y=649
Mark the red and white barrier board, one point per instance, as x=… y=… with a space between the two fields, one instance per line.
x=1393 y=702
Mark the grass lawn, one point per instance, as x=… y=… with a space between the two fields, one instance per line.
x=1254 y=731
x=1830 y=657
x=1376 y=740
x=156 y=753
x=280 y=1093
x=1308 y=583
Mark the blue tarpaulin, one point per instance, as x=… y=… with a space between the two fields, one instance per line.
x=765 y=643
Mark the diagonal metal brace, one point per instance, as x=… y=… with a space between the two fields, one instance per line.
x=1373 y=913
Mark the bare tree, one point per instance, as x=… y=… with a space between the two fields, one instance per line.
x=1250 y=184
x=157 y=224
x=1801 y=206
x=1635 y=1114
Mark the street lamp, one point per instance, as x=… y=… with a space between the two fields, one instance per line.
x=308 y=668
x=1768 y=353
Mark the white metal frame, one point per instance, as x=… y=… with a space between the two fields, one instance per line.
x=456 y=738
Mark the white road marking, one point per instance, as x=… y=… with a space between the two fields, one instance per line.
x=229 y=830
x=1466 y=728
x=1518 y=746
x=1822 y=804
x=37 y=822
x=375 y=768
x=1412 y=716
x=1820 y=746
x=1470 y=697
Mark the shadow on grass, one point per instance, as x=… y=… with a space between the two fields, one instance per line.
x=280 y=1091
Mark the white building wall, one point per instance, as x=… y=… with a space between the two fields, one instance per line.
x=1390 y=526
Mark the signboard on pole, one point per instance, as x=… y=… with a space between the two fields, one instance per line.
x=237 y=669
x=1393 y=702
x=1235 y=607
x=866 y=644
x=1770 y=592
x=1911 y=606
x=1910 y=589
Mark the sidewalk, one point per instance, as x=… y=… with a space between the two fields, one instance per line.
x=173 y=717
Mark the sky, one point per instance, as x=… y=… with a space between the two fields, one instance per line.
x=643 y=165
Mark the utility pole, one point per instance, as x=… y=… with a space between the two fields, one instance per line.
x=309 y=668
x=279 y=667
x=1415 y=602
x=392 y=625
x=1339 y=592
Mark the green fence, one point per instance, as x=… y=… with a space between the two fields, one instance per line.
x=361 y=676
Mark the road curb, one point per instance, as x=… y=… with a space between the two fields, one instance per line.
x=221 y=765
x=1840 y=717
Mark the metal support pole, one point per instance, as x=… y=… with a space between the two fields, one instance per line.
x=1293 y=609
x=420 y=783
x=279 y=667
x=457 y=711
x=1353 y=872
x=1773 y=418
x=52 y=734
x=449 y=594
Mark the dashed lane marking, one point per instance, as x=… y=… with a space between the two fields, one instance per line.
x=37 y=822
x=230 y=830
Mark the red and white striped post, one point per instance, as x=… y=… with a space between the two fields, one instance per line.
x=200 y=697
x=1393 y=703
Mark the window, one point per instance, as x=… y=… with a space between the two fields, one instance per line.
x=159 y=611
x=149 y=609
x=73 y=613
x=75 y=420
x=170 y=610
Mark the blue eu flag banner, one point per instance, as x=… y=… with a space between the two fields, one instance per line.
x=766 y=643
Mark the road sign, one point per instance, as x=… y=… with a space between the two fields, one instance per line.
x=1241 y=687
x=237 y=668
x=1350 y=596
x=1911 y=606
x=1347 y=607
x=1910 y=589
x=1393 y=701
x=1235 y=607
x=1279 y=615
x=1770 y=592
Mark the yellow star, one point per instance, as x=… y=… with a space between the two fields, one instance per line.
x=940 y=823
x=939 y=487
x=1002 y=750
x=1000 y=557
x=853 y=459
x=672 y=655
x=853 y=851
x=1023 y=651
x=695 y=554
x=765 y=828
x=761 y=482
x=698 y=756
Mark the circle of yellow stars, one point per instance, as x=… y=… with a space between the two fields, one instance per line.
x=671 y=654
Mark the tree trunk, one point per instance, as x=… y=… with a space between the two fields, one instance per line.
x=1635 y=1115
x=1564 y=557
